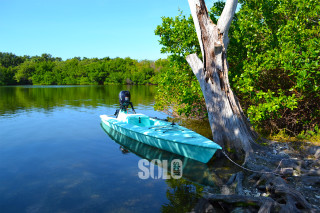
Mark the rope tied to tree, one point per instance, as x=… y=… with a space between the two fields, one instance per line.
x=250 y=170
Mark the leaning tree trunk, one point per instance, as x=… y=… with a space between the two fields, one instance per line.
x=229 y=125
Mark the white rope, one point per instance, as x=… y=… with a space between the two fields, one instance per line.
x=273 y=172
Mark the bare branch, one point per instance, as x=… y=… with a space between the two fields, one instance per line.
x=196 y=65
x=225 y=19
x=193 y=7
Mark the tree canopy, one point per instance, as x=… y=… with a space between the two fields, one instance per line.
x=274 y=63
x=48 y=70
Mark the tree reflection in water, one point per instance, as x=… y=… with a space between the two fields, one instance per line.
x=182 y=194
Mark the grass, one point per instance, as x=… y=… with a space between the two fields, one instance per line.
x=312 y=137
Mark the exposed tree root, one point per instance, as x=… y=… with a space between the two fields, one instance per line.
x=262 y=204
x=292 y=200
x=269 y=189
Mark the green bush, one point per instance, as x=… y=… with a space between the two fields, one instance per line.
x=273 y=57
x=47 y=70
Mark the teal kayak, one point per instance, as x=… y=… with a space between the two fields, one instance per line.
x=163 y=135
x=192 y=170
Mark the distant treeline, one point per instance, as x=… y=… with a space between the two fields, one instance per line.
x=48 y=70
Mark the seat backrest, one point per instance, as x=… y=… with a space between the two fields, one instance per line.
x=139 y=120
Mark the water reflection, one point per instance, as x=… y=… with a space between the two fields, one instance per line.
x=182 y=194
x=193 y=170
x=15 y=99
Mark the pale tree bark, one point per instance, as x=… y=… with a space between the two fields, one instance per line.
x=229 y=125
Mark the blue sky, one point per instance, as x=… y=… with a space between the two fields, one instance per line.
x=85 y=28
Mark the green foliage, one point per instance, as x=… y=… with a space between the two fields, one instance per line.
x=273 y=57
x=6 y=75
x=43 y=73
x=47 y=70
x=279 y=80
x=179 y=92
x=284 y=135
x=9 y=59
x=25 y=71
x=310 y=135
x=178 y=36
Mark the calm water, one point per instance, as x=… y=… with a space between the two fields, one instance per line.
x=56 y=157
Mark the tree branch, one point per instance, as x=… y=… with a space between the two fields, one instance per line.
x=196 y=65
x=265 y=203
x=194 y=4
x=225 y=19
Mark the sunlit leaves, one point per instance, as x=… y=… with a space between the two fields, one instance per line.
x=273 y=57
x=178 y=35
x=279 y=80
x=47 y=70
x=178 y=90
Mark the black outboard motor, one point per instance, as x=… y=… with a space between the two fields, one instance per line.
x=124 y=100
